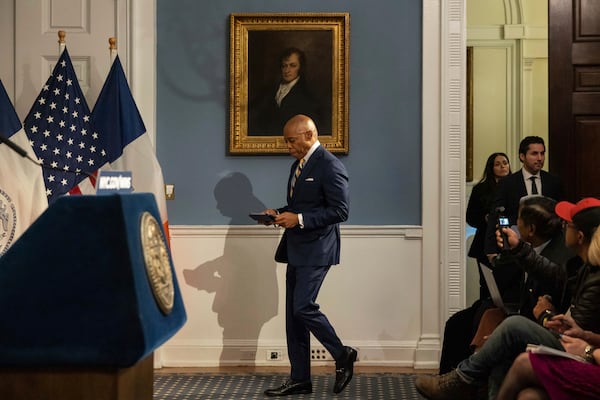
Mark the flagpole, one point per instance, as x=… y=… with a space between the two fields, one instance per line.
x=132 y=150
x=112 y=48
x=61 y=42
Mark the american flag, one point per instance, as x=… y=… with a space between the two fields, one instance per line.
x=61 y=134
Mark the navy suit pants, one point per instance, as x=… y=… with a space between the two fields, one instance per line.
x=303 y=317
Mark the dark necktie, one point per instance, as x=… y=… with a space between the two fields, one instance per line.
x=296 y=175
x=534 y=189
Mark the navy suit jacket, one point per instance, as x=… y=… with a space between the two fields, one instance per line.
x=321 y=195
x=512 y=188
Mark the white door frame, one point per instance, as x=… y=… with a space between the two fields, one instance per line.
x=443 y=169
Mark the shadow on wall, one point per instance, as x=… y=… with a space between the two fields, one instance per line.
x=244 y=278
x=191 y=69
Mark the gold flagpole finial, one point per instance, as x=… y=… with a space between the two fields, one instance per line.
x=61 y=42
x=112 y=48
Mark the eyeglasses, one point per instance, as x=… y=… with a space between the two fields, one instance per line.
x=292 y=139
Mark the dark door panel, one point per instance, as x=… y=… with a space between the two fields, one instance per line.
x=574 y=95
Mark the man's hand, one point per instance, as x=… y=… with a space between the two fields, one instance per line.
x=566 y=325
x=542 y=305
x=287 y=220
x=269 y=211
x=511 y=236
x=573 y=345
x=492 y=257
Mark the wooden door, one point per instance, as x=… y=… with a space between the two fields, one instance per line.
x=574 y=95
x=88 y=25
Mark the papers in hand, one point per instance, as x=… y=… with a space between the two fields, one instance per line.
x=263 y=218
x=541 y=349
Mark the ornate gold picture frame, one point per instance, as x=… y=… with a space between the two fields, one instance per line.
x=262 y=46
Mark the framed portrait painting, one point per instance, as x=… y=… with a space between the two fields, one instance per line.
x=287 y=64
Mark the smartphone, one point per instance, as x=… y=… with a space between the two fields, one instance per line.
x=503 y=222
x=262 y=217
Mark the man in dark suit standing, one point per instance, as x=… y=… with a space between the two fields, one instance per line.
x=317 y=202
x=529 y=180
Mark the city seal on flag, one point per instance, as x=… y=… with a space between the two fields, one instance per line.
x=158 y=265
x=8 y=221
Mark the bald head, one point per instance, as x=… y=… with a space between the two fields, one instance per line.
x=299 y=133
x=300 y=124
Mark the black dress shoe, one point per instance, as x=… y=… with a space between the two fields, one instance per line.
x=344 y=370
x=290 y=387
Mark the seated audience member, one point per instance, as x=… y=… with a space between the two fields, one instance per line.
x=541 y=376
x=510 y=338
x=540 y=226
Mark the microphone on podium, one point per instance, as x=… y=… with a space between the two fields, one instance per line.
x=23 y=153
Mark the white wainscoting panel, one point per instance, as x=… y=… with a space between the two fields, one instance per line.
x=234 y=294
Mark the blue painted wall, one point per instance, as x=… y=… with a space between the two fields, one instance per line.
x=384 y=162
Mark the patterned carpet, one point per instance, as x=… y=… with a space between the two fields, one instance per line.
x=187 y=386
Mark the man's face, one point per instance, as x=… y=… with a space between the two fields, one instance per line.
x=533 y=160
x=572 y=234
x=290 y=68
x=297 y=144
x=523 y=229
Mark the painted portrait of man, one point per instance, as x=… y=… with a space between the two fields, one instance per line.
x=289 y=73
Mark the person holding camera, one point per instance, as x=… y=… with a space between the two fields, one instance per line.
x=529 y=180
x=491 y=363
x=539 y=226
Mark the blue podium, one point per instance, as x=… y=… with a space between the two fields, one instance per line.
x=88 y=293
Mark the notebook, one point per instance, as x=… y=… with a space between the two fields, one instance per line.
x=508 y=308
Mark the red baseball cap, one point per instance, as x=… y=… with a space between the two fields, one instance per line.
x=567 y=210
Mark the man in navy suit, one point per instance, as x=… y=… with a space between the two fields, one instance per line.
x=317 y=202
x=529 y=180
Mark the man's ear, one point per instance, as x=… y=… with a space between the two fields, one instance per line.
x=522 y=157
x=532 y=229
x=580 y=237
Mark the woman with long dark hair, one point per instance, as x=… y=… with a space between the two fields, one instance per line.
x=480 y=204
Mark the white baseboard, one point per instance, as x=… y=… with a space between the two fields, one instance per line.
x=400 y=354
